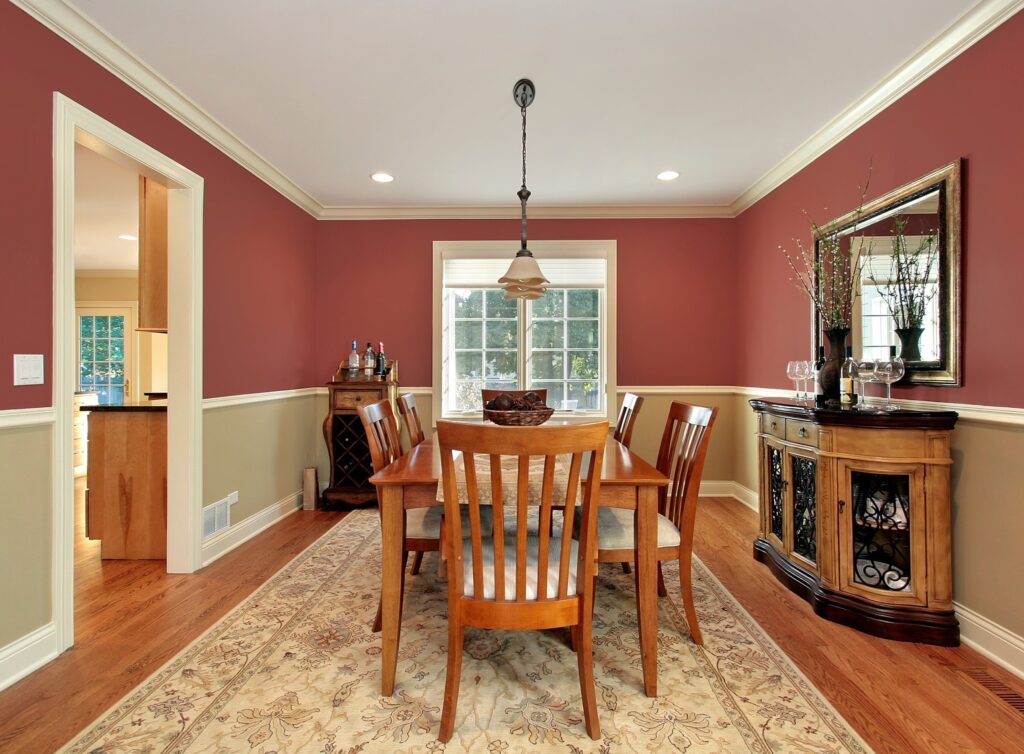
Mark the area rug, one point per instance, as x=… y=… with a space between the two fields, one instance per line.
x=296 y=668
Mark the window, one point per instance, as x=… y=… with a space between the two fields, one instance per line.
x=559 y=343
x=104 y=352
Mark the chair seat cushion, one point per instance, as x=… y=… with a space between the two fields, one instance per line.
x=554 y=563
x=425 y=523
x=615 y=530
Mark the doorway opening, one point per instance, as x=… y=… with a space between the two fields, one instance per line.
x=103 y=346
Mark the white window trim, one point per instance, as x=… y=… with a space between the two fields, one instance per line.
x=603 y=249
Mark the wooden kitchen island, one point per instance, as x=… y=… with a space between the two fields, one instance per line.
x=126 y=496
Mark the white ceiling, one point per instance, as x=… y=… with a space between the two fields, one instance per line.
x=330 y=91
x=106 y=206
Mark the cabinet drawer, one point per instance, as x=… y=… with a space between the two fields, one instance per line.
x=354 y=398
x=801 y=432
x=773 y=425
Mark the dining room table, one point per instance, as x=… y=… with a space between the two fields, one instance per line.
x=411 y=481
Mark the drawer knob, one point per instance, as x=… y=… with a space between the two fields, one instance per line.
x=774 y=425
x=802 y=431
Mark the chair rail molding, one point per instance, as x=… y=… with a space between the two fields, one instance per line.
x=26 y=417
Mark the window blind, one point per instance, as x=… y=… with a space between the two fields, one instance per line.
x=563 y=273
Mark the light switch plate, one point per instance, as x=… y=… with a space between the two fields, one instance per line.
x=28 y=369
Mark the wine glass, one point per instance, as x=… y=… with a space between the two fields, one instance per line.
x=793 y=371
x=865 y=374
x=890 y=371
x=807 y=370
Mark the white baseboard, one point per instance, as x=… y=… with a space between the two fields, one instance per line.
x=29 y=653
x=244 y=530
x=734 y=490
x=998 y=644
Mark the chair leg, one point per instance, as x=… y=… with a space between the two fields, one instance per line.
x=377 y=620
x=662 y=591
x=686 y=587
x=626 y=568
x=453 y=676
x=417 y=560
x=585 y=663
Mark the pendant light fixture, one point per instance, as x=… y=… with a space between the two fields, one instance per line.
x=524 y=278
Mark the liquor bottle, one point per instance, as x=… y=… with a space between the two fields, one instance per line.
x=353 y=358
x=382 y=361
x=847 y=378
x=819 y=391
x=369 y=359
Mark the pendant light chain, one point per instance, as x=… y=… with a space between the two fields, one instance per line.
x=524 y=193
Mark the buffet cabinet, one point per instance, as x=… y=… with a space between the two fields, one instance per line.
x=347 y=449
x=855 y=515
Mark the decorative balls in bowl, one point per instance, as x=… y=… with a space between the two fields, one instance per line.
x=527 y=410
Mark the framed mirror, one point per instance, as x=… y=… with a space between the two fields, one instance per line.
x=905 y=251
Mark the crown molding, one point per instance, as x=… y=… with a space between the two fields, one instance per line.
x=85 y=35
x=511 y=212
x=985 y=16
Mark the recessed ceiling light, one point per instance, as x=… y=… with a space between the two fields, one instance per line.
x=668 y=175
x=383 y=177
x=126 y=237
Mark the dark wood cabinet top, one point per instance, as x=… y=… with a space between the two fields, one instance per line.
x=156 y=406
x=341 y=379
x=858 y=417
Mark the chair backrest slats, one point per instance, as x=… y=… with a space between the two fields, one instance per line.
x=411 y=417
x=684 y=446
x=381 y=433
x=498 y=531
x=631 y=404
x=521 y=443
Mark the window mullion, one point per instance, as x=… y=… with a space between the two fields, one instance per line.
x=523 y=343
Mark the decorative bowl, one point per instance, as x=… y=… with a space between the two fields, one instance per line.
x=519 y=418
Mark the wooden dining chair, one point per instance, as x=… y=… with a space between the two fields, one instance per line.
x=422 y=525
x=509 y=579
x=411 y=417
x=631 y=405
x=684 y=445
x=487 y=394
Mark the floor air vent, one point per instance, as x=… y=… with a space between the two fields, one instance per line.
x=997 y=687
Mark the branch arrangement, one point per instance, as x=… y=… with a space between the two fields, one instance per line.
x=908 y=290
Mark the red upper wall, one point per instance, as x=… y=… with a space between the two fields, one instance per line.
x=972 y=109
x=258 y=246
x=676 y=316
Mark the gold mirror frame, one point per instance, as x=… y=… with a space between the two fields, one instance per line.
x=947 y=371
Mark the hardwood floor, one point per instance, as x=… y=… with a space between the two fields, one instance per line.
x=131 y=618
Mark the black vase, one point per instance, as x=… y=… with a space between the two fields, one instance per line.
x=910 y=342
x=829 y=375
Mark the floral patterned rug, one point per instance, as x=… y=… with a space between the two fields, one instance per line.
x=296 y=668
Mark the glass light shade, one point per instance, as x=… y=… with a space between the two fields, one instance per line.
x=530 y=294
x=524 y=270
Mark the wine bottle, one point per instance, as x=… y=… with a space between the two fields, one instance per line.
x=819 y=390
x=382 y=361
x=847 y=378
x=369 y=359
x=353 y=358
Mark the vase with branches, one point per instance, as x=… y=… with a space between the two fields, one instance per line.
x=909 y=288
x=828 y=271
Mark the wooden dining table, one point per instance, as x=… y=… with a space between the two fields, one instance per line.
x=627 y=481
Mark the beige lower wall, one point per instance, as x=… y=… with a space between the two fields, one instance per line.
x=25 y=530
x=258 y=450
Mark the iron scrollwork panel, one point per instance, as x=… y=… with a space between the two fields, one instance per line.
x=805 y=498
x=776 y=490
x=881 y=530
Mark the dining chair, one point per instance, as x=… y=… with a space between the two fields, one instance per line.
x=684 y=446
x=487 y=394
x=509 y=579
x=422 y=525
x=411 y=417
x=631 y=405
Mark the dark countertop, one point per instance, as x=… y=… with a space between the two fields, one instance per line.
x=130 y=406
x=861 y=417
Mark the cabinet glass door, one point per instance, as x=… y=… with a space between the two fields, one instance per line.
x=804 y=475
x=775 y=484
x=883 y=532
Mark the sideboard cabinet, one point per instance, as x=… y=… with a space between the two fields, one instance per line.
x=855 y=515
x=347 y=449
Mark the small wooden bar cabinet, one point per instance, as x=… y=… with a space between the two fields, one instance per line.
x=855 y=515
x=347 y=450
